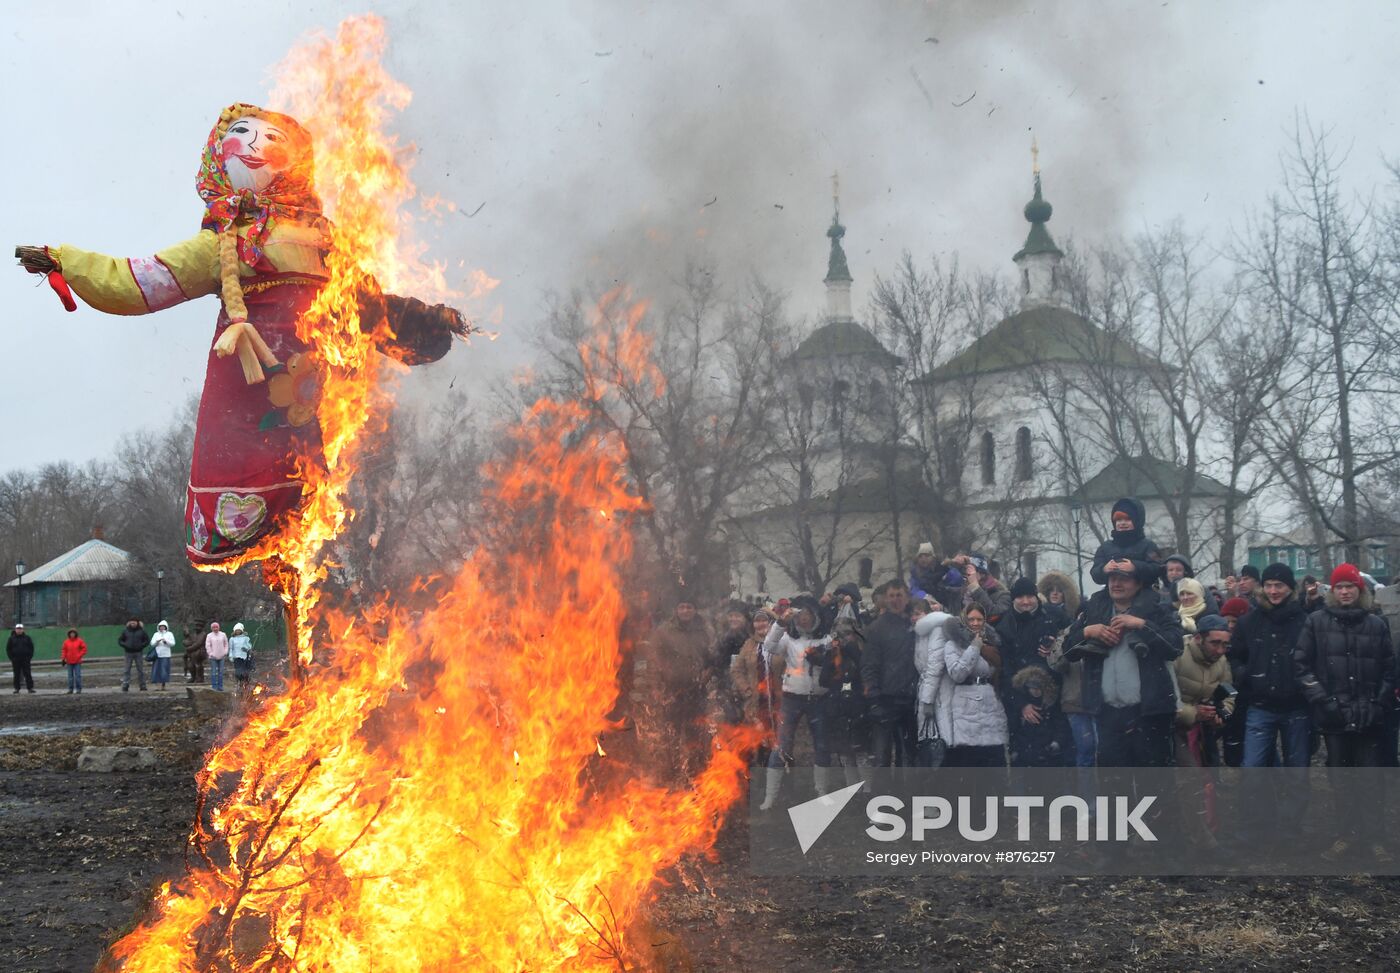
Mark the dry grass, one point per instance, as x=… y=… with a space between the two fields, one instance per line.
x=1248 y=938
x=176 y=745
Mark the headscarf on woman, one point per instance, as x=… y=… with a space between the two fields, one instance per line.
x=1189 y=613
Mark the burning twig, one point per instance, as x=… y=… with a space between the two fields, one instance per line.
x=609 y=946
x=221 y=931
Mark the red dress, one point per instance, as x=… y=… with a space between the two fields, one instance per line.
x=243 y=476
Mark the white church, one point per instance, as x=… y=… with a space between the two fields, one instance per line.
x=853 y=500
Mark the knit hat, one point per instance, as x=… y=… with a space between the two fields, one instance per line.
x=1280 y=572
x=1211 y=623
x=238 y=628
x=1235 y=608
x=19 y=626
x=926 y=548
x=1250 y=571
x=954 y=578
x=1347 y=574
x=1022 y=588
x=979 y=562
x=1134 y=510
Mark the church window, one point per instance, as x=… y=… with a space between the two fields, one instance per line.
x=1025 y=280
x=1024 y=465
x=878 y=403
x=839 y=389
x=989 y=459
x=762 y=578
x=867 y=572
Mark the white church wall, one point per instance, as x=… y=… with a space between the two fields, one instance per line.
x=861 y=536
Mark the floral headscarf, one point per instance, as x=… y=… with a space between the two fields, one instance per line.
x=292 y=193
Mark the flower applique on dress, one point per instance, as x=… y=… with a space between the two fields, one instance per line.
x=199 y=531
x=293 y=389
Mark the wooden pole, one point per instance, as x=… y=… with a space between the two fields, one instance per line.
x=283 y=581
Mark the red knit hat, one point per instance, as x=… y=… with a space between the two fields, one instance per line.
x=1235 y=608
x=1347 y=574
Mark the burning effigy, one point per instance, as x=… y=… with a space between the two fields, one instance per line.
x=262 y=248
x=402 y=805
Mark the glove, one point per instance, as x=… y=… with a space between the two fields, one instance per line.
x=1372 y=714
x=1332 y=716
x=880 y=713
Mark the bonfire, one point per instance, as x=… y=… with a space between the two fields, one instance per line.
x=400 y=806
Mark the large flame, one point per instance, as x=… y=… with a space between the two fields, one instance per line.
x=433 y=795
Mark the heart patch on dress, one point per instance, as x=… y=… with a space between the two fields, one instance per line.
x=238 y=518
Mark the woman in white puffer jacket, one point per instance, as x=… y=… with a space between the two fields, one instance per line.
x=928 y=659
x=971 y=716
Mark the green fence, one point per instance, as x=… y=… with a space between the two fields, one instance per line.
x=102 y=639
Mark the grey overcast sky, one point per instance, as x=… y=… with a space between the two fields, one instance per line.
x=592 y=134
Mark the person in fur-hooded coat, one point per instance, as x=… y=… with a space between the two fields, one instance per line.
x=1047 y=743
x=1061 y=597
x=929 y=660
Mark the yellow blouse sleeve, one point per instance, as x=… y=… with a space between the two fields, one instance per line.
x=139 y=285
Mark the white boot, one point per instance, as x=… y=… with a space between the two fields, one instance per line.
x=821 y=780
x=772 y=783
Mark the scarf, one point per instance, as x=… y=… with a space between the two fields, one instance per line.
x=291 y=195
x=1189 y=614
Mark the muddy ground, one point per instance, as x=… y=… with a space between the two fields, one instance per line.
x=82 y=854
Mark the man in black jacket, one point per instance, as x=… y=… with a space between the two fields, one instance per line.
x=20 y=649
x=1039 y=730
x=1261 y=658
x=133 y=641
x=1346 y=667
x=889 y=677
x=1128 y=640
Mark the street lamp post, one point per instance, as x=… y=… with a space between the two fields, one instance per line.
x=1078 y=557
x=160 y=593
x=19 y=591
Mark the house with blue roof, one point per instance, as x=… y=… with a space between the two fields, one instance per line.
x=89 y=585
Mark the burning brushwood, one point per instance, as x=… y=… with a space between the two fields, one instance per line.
x=408 y=806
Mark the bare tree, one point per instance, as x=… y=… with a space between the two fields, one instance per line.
x=1323 y=265
x=53 y=509
x=809 y=505
x=921 y=314
x=689 y=389
x=418 y=495
x=1239 y=388
x=151 y=471
x=1137 y=389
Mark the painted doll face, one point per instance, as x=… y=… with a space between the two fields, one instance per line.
x=255 y=151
